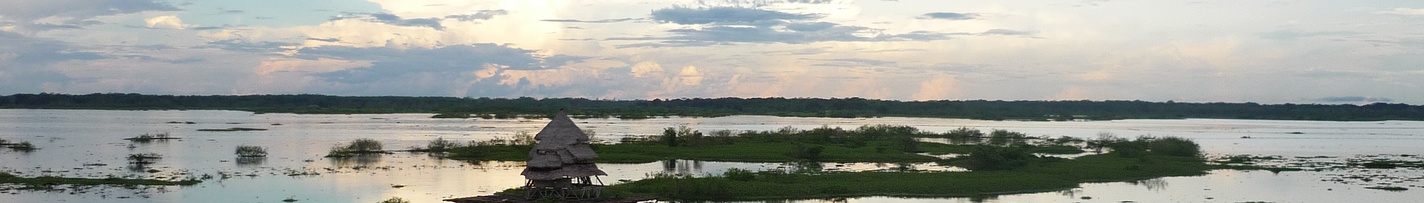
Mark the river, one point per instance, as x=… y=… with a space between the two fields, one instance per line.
x=89 y=143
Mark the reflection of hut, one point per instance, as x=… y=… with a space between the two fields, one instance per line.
x=561 y=163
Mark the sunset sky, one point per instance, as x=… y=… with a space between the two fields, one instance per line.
x=1268 y=51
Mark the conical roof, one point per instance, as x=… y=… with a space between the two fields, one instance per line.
x=561 y=151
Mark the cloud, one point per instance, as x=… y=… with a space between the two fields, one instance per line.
x=249 y=46
x=1008 y=32
x=1405 y=11
x=800 y=34
x=1353 y=99
x=951 y=16
x=725 y=15
x=1296 y=34
x=72 y=13
x=165 y=22
x=25 y=61
x=433 y=23
x=592 y=21
x=388 y=63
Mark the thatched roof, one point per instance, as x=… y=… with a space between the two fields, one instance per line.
x=562 y=151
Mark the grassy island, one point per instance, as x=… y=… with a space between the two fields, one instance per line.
x=872 y=143
x=46 y=181
x=1002 y=162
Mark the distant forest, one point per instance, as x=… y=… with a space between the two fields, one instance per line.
x=798 y=107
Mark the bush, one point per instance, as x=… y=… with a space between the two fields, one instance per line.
x=395 y=200
x=992 y=158
x=1173 y=146
x=440 y=145
x=738 y=174
x=807 y=153
x=251 y=151
x=360 y=146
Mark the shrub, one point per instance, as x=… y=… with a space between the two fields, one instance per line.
x=395 y=200
x=440 y=145
x=738 y=174
x=807 y=153
x=251 y=151
x=360 y=146
x=144 y=158
x=1173 y=146
x=992 y=158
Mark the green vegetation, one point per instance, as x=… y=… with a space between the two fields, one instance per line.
x=232 y=129
x=1002 y=170
x=20 y=147
x=48 y=182
x=357 y=147
x=251 y=151
x=144 y=158
x=801 y=107
x=149 y=137
x=395 y=200
x=452 y=115
x=871 y=143
x=437 y=145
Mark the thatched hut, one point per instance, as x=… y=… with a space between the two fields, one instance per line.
x=561 y=162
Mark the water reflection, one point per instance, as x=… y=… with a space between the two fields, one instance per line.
x=1155 y=184
x=250 y=161
x=361 y=160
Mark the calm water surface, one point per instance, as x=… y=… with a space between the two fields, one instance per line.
x=88 y=143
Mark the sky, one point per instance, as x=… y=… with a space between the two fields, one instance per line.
x=1265 y=51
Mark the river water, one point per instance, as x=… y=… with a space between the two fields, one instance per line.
x=89 y=143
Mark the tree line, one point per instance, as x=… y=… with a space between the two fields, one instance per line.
x=712 y=107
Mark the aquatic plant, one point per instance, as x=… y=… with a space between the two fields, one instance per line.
x=994 y=158
x=439 y=145
x=395 y=200
x=148 y=137
x=22 y=146
x=359 y=146
x=251 y=151
x=143 y=158
x=452 y=115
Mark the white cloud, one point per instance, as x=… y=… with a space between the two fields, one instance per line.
x=166 y=22
x=1405 y=11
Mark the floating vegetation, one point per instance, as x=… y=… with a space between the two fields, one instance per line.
x=395 y=200
x=146 y=137
x=358 y=147
x=452 y=115
x=1388 y=188
x=184 y=122
x=144 y=158
x=47 y=182
x=248 y=151
x=19 y=147
x=437 y=146
x=231 y=129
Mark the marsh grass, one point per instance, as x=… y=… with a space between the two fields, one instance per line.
x=149 y=137
x=395 y=200
x=871 y=143
x=144 y=158
x=248 y=151
x=1049 y=176
x=19 y=147
x=357 y=147
x=49 y=181
x=438 y=145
